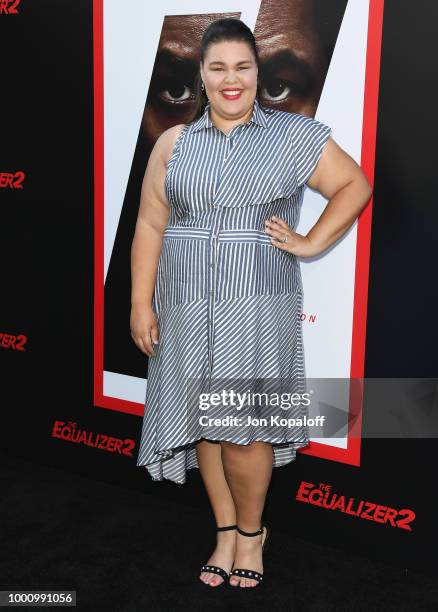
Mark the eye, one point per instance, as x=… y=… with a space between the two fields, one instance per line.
x=176 y=93
x=278 y=90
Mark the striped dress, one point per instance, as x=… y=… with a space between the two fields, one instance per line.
x=228 y=303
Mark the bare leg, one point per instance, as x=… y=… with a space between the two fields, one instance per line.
x=248 y=471
x=209 y=457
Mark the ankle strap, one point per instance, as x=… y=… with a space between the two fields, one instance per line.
x=250 y=533
x=227 y=528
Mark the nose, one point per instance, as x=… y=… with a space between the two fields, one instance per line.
x=230 y=77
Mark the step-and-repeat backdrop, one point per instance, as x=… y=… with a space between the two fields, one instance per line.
x=90 y=88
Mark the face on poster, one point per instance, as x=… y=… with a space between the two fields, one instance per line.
x=313 y=61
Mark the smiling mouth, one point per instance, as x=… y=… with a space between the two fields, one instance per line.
x=231 y=93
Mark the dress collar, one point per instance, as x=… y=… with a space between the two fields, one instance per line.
x=204 y=121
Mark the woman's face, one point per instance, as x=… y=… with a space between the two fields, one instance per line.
x=229 y=73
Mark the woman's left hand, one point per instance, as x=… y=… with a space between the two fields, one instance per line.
x=296 y=244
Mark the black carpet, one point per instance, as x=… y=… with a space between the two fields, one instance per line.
x=122 y=550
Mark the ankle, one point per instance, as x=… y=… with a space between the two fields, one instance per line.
x=226 y=538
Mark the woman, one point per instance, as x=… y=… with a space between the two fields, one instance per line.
x=216 y=285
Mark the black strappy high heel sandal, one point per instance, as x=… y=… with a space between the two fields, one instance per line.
x=214 y=568
x=249 y=573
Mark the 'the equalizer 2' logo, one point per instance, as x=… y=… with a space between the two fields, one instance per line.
x=15 y=343
x=12 y=180
x=9 y=7
x=70 y=432
x=321 y=495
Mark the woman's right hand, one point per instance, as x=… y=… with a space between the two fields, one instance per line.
x=144 y=328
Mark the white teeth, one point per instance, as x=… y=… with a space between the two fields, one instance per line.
x=231 y=93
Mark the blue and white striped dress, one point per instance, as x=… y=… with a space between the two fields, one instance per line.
x=228 y=303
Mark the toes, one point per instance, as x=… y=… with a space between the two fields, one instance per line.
x=216 y=580
x=203 y=577
x=211 y=579
x=249 y=582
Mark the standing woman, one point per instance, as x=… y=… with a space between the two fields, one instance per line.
x=216 y=284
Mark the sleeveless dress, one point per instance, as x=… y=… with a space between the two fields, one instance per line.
x=228 y=303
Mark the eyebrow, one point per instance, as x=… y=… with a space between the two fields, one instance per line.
x=288 y=59
x=172 y=60
x=222 y=63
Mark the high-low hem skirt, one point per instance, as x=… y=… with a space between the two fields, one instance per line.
x=173 y=464
x=263 y=342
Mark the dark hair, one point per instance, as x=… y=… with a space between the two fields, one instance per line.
x=227 y=29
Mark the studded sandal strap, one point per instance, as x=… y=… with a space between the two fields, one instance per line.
x=250 y=533
x=247 y=573
x=215 y=570
x=228 y=527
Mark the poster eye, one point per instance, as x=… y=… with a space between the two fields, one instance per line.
x=176 y=94
x=278 y=90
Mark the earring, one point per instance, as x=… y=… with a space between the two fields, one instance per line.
x=203 y=86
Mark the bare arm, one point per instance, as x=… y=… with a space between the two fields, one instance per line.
x=146 y=246
x=341 y=181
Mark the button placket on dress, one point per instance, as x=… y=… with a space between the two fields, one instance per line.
x=216 y=226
